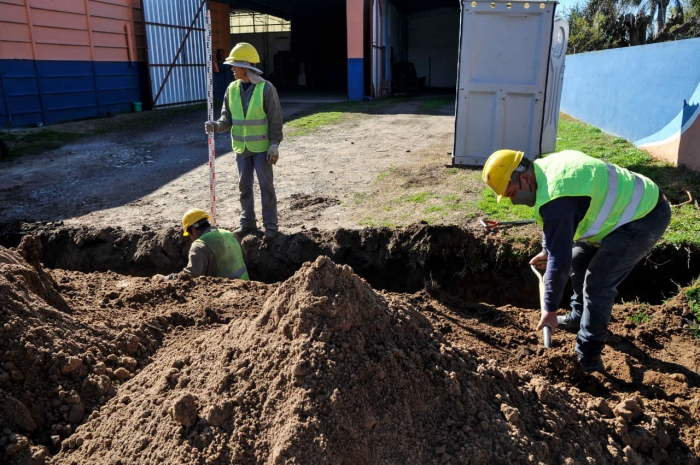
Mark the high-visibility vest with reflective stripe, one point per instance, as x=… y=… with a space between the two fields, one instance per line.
x=251 y=129
x=618 y=196
x=229 y=256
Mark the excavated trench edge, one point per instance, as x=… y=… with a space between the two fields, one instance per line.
x=473 y=265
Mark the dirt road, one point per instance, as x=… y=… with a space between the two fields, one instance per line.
x=151 y=176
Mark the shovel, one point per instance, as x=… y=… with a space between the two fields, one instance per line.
x=546 y=330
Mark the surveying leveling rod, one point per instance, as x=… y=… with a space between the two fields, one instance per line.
x=210 y=111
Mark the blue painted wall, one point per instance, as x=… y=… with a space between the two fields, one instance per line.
x=632 y=92
x=356 y=85
x=33 y=92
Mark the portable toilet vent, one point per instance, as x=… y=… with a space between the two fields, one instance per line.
x=509 y=81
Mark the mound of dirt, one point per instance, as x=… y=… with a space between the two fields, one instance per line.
x=332 y=372
x=304 y=201
x=54 y=368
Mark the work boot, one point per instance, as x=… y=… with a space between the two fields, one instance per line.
x=569 y=323
x=591 y=364
x=270 y=235
x=243 y=232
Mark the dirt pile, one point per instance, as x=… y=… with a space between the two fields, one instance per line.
x=55 y=367
x=332 y=372
x=69 y=341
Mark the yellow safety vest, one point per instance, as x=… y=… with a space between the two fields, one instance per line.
x=618 y=196
x=250 y=130
x=228 y=253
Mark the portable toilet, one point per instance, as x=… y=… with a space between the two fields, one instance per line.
x=509 y=80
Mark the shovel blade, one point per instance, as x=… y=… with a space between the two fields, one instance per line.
x=547 y=334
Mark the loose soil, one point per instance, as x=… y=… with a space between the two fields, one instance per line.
x=101 y=367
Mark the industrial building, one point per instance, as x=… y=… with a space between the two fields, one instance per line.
x=63 y=60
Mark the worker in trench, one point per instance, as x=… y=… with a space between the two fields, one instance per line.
x=599 y=220
x=214 y=251
x=252 y=112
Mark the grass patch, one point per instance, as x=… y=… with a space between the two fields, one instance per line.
x=504 y=210
x=312 y=123
x=32 y=141
x=368 y=221
x=420 y=197
x=451 y=198
x=435 y=209
x=358 y=198
x=329 y=114
x=685 y=224
x=433 y=104
x=639 y=317
x=35 y=142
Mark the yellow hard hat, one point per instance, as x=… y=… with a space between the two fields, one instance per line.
x=498 y=169
x=191 y=217
x=243 y=52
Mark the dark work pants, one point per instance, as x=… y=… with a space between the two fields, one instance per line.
x=596 y=272
x=256 y=163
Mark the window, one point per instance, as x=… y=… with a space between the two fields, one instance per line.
x=250 y=22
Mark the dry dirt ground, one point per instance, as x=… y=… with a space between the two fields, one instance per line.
x=151 y=176
x=352 y=346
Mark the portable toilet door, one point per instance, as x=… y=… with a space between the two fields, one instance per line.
x=502 y=78
x=555 y=82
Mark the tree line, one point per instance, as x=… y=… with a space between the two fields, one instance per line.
x=604 y=24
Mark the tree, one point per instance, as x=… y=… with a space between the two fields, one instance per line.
x=604 y=24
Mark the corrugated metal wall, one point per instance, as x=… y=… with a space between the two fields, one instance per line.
x=71 y=59
x=175 y=31
x=62 y=60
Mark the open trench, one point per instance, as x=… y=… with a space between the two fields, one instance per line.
x=446 y=271
x=476 y=266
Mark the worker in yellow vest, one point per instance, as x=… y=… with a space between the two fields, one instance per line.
x=252 y=112
x=599 y=220
x=214 y=251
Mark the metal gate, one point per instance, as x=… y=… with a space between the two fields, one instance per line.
x=378 y=50
x=175 y=34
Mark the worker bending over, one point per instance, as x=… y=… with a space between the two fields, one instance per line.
x=253 y=113
x=214 y=251
x=599 y=221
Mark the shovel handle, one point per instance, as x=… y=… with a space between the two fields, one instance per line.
x=546 y=331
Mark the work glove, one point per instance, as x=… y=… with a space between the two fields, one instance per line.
x=273 y=154
x=210 y=127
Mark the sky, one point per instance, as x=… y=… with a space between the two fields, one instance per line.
x=565 y=5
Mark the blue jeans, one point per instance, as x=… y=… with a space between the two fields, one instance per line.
x=597 y=271
x=257 y=163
